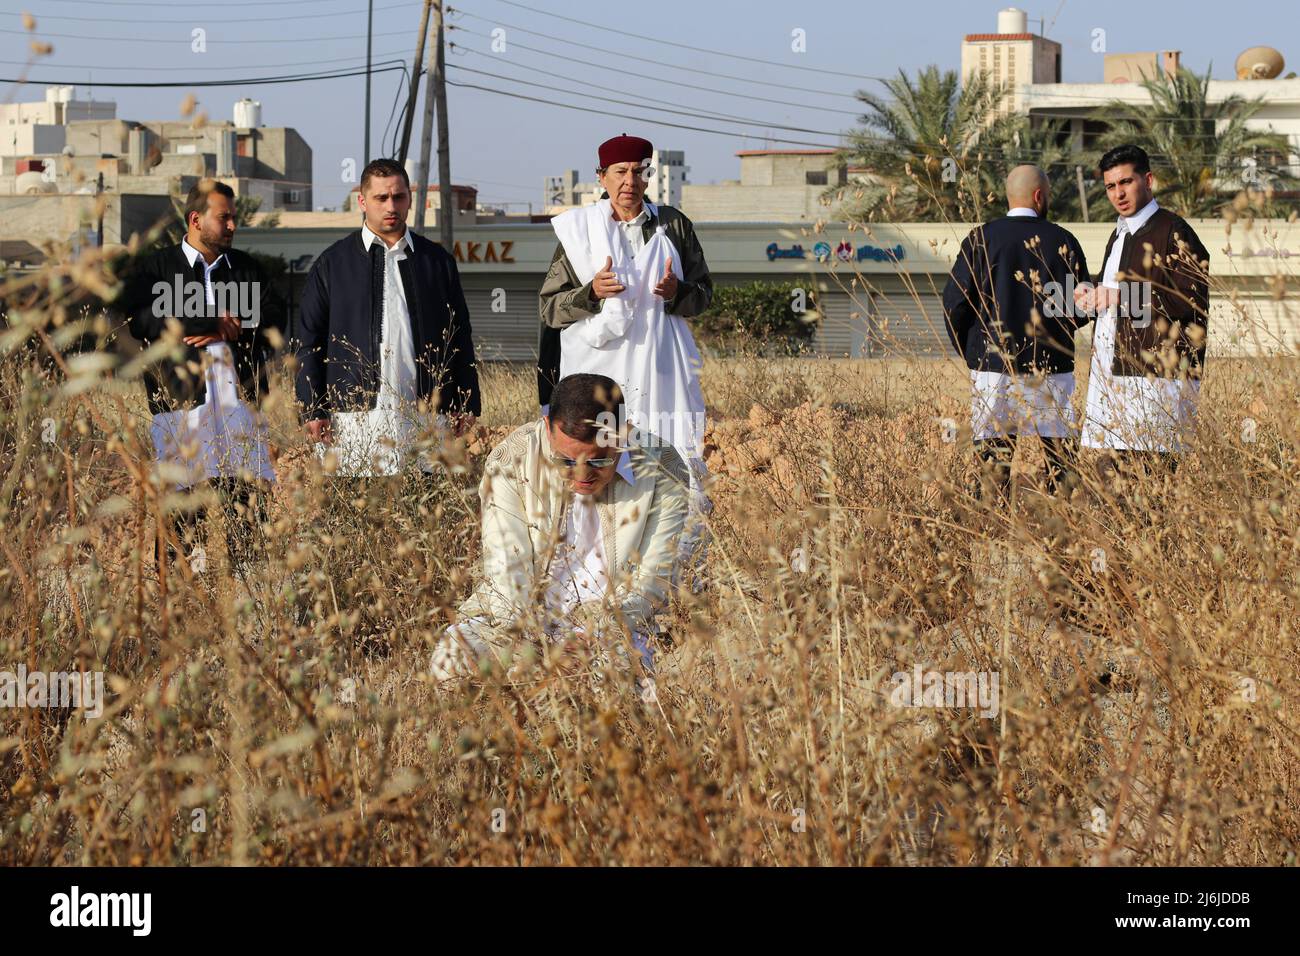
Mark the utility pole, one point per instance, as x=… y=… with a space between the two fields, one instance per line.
x=99 y=229
x=444 y=143
x=370 y=26
x=1083 y=193
x=414 y=95
x=426 y=130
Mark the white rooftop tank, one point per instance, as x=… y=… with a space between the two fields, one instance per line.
x=1013 y=20
x=248 y=113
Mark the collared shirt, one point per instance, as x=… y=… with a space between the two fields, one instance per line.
x=1125 y=226
x=1132 y=411
x=1003 y=404
x=231 y=437
x=579 y=572
x=397 y=364
x=377 y=441
x=631 y=230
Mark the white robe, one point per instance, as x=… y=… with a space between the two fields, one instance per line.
x=650 y=353
x=1133 y=412
x=223 y=437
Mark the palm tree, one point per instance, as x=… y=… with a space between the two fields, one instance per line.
x=937 y=150
x=1049 y=145
x=1203 y=152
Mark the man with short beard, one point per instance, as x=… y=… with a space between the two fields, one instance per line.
x=1008 y=318
x=204 y=404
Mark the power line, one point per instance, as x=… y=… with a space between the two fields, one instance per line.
x=683 y=46
x=171 y=3
x=639 y=119
x=457 y=48
x=397 y=54
x=631 y=56
x=741 y=120
x=248 y=81
x=190 y=21
x=186 y=40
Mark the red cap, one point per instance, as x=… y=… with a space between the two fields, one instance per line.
x=624 y=149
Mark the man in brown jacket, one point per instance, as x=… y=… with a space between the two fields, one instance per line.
x=1152 y=303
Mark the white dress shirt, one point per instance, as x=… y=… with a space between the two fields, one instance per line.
x=1133 y=412
x=631 y=230
x=222 y=437
x=378 y=441
x=1005 y=404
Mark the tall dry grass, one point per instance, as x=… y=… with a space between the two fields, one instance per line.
x=1148 y=703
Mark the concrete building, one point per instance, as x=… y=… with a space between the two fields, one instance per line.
x=1012 y=56
x=877 y=294
x=567 y=191
x=775 y=185
x=1031 y=67
x=1077 y=102
x=668 y=178
x=58 y=154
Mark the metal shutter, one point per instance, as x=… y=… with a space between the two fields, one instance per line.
x=511 y=334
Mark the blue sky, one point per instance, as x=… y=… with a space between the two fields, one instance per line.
x=507 y=145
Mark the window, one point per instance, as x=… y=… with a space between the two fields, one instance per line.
x=815 y=177
x=293 y=195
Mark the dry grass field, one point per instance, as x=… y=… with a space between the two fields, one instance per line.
x=1144 y=642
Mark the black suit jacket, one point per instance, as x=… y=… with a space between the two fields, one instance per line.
x=341 y=323
x=151 y=300
x=1004 y=314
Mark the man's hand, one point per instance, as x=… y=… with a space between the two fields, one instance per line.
x=1089 y=298
x=228 y=329
x=319 y=430
x=606 y=285
x=667 y=287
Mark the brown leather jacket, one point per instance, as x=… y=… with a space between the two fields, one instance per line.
x=1169 y=342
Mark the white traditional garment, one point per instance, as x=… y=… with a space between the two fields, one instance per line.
x=578 y=569
x=1133 y=412
x=1006 y=404
x=632 y=339
x=223 y=437
x=579 y=574
x=378 y=441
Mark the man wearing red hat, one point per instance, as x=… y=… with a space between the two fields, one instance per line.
x=625 y=277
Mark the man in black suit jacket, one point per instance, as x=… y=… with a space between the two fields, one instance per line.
x=384 y=337
x=231 y=325
x=1009 y=303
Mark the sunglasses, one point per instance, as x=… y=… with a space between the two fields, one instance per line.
x=569 y=464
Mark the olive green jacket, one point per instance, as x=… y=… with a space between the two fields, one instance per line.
x=564 y=300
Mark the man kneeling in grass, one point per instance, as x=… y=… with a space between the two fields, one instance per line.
x=580 y=532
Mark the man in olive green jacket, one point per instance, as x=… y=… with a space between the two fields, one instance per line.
x=659 y=370
x=565 y=300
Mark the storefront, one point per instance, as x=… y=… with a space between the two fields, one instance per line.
x=878 y=294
